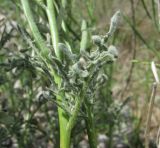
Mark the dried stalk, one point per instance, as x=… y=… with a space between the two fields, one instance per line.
x=151 y=104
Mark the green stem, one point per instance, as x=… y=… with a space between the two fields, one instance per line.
x=90 y=127
x=89 y=121
x=111 y=128
x=36 y=34
x=64 y=3
x=85 y=38
x=63 y=119
x=53 y=26
x=78 y=104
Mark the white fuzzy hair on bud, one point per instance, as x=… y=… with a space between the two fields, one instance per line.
x=114 y=23
x=113 y=50
x=96 y=40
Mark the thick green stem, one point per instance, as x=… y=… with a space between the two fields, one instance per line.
x=63 y=119
x=64 y=133
x=36 y=34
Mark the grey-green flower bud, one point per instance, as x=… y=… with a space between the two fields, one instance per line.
x=114 y=23
x=102 y=78
x=65 y=52
x=82 y=63
x=97 y=40
x=113 y=50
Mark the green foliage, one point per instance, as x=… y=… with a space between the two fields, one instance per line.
x=56 y=73
x=6 y=119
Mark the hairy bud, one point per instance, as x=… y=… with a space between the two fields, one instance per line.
x=113 y=50
x=114 y=23
x=97 y=40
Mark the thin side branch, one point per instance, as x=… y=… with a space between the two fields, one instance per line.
x=53 y=27
x=35 y=31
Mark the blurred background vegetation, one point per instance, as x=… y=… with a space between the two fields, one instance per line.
x=27 y=119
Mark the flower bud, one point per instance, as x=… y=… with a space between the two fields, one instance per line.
x=97 y=40
x=82 y=63
x=113 y=50
x=114 y=23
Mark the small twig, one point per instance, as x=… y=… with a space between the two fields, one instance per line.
x=158 y=1
x=154 y=70
x=151 y=104
x=158 y=146
x=158 y=138
x=152 y=98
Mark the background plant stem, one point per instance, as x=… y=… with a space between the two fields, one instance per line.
x=150 y=110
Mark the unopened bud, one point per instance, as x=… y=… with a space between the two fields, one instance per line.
x=114 y=23
x=82 y=63
x=113 y=50
x=97 y=40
